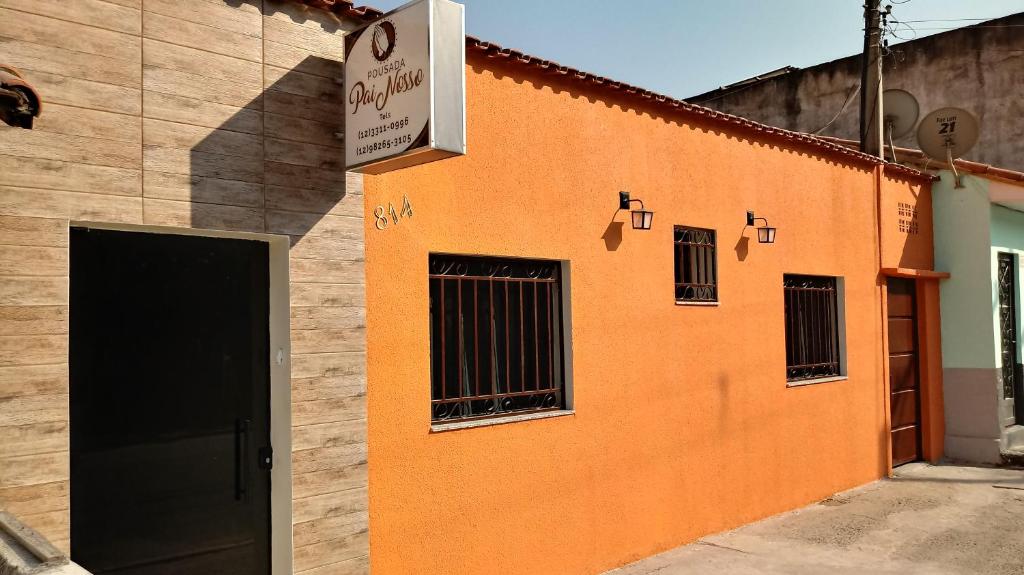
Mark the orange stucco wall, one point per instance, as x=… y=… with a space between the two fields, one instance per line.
x=683 y=422
x=907 y=244
x=902 y=248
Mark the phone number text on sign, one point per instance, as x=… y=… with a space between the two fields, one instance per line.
x=378 y=130
x=384 y=144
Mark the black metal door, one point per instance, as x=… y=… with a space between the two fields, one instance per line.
x=1007 y=279
x=170 y=404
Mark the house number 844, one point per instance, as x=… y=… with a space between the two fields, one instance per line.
x=382 y=216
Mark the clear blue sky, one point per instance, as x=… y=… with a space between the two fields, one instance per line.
x=683 y=47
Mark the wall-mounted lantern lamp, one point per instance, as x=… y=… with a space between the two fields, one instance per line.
x=765 y=233
x=641 y=218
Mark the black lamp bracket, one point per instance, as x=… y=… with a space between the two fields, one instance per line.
x=751 y=219
x=624 y=201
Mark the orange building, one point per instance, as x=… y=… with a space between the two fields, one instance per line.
x=221 y=352
x=685 y=379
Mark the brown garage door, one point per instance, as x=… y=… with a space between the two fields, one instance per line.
x=904 y=383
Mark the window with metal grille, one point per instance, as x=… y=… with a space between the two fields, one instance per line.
x=696 y=265
x=495 y=337
x=812 y=327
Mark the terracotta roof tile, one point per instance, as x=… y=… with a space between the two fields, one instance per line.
x=344 y=8
x=922 y=161
x=492 y=50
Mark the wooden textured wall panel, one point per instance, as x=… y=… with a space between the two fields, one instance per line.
x=330 y=434
x=301 y=130
x=98 y=13
x=21 y=172
x=183 y=109
x=56 y=33
x=56 y=523
x=297 y=223
x=27 y=290
x=297 y=106
x=197 y=86
x=284 y=56
x=215 y=66
x=204 y=216
x=323 y=271
x=34 y=319
x=29 y=409
x=43 y=203
x=26 y=231
x=87 y=94
x=61 y=147
x=330 y=504
x=328 y=481
x=205 y=36
x=325 y=248
x=303 y=154
x=329 y=552
x=192 y=138
x=34 y=469
x=329 y=528
x=184 y=187
x=203 y=164
x=33 y=380
x=75 y=121
x=303 y=84
x=328 y=295
x=338 y=386
x=328 y=340
x=33 y=349
x=318 y=317
x=33 y=260
x=313 y=31
x=32 y=57
x=34 y=438
x=204 y=114
x=39 y=498
x=236 y=16
x=355 y=566
x=303 y=177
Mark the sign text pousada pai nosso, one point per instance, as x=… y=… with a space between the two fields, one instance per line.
x=405 y=88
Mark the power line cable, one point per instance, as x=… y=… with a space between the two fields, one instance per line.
x=975 y=27
x=846 y=104
x=954 y=20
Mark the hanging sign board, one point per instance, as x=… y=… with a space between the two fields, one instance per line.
x=405 y=88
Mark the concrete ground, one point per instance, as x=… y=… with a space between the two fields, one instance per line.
x=927 y=520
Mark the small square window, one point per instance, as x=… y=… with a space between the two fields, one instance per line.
x=813 y=327
x=696 y=264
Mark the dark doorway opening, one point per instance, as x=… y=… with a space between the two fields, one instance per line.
x=904 y=372
x=170 y=404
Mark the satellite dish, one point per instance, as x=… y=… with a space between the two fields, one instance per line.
x=947 y=134
x=901 y=112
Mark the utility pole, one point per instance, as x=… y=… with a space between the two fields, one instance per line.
x=871 y=82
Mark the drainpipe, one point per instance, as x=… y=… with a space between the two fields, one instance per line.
x=883 y=353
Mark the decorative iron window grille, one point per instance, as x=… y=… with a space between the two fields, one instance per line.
x=696 y=264
x=495 y=337
x=1007 y=279
x=812 y=327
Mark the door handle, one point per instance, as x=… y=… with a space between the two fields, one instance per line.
x=241 y=458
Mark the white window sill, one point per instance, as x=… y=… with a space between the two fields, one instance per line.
x=697 y=303
x=454 y=425
x=804 y=382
